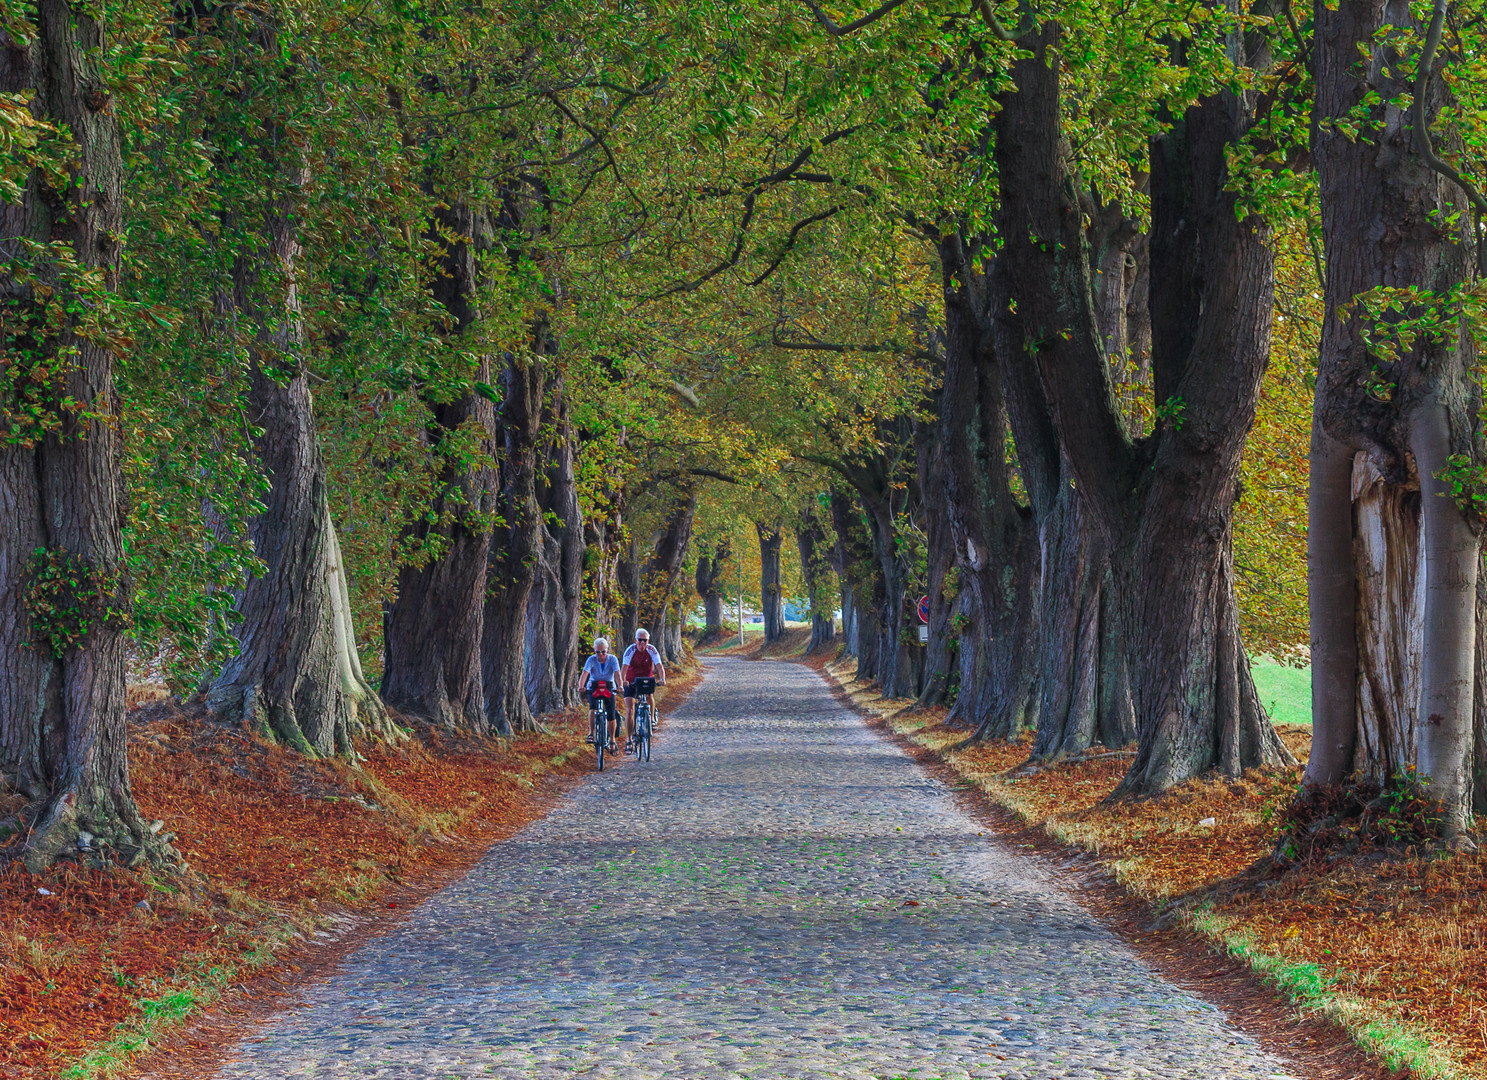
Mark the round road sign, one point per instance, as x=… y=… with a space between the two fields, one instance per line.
x=924 y=609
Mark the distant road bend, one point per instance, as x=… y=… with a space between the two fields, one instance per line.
x=778 y=894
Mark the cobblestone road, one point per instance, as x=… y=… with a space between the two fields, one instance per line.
x=778 y=894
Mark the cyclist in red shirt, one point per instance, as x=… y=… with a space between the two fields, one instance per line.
x=641 y=661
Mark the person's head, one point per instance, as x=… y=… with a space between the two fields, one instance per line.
x=642 y=636
x=601 y=646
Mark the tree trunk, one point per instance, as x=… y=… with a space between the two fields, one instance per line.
x=432 y=632
x=1086 y=696
x=554 y=605
x=710 y=588
x=847 y=558
x=1166 y=506
x=810 y=538
x=938 y=655
x=771 y=599
x=996 y=546
x=675 y=623
x=515 y=543
x=285 y=681
x=628 y=578
x=568 y=644
x=1402 y=627
x=62 y=714
x=662 y=570
x=601 y=561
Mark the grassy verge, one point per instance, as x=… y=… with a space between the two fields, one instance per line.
x=97 y=966
x=1387 y=946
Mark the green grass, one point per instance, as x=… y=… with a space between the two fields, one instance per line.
x=1284 y=691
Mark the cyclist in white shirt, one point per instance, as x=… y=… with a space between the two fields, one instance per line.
x=642 y=661
x=602 y=666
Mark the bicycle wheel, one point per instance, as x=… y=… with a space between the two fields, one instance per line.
x=645 y=747
x=601 y=732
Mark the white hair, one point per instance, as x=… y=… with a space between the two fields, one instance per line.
x=642 y=632
x=600 y=641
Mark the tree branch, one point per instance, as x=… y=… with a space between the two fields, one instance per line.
x=856 y=24
x=1423 y=145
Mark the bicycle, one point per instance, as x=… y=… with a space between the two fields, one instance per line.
x=640 y=738
x=599 y=719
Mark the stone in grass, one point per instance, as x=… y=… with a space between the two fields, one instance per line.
x=1208 y=823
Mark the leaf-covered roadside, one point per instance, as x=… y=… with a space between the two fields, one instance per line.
x=101 y=961
x=1388 y=946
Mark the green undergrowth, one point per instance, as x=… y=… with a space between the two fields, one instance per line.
x=1305 y=985
x=165 y=1008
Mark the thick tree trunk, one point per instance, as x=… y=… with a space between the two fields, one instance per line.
x=32 y=718
x=62 y=715
x=1086 y=695
x=432 y=632
x=285 y=681
x=663 y=569
x=895 y=672
x=1165 y=507
x=516 y=542
x=1402 y=627
x=601 y=568
x=810 y=538
x=294 y=678
x=675 y=623
x=771 y=599
x=710 y=588
x=996 y=546
x=847 y=558
x=938 y=654
x=554 y=604
x=628 y=579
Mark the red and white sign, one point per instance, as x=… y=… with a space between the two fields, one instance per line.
x=924 y=609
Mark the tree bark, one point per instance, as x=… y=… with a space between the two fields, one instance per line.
x=1402 y=626
x=432 y=632
x=996 y=544
x=601 y=569
x=810 y=538
x=554 y=604
x=938 y=655
x=771 y=599
x=658 y=579
x=1166 y=506
x=62 y=713
x=710 y=587
x=846 y=559
x=516 y=541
